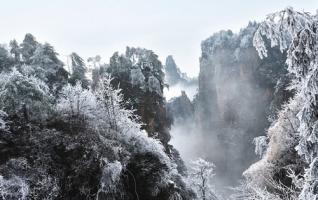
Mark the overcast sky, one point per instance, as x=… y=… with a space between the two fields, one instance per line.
x=91 y=27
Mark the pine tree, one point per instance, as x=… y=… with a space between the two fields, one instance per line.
x=15 y=51
x=78 y=71
x=97 y=70
x=48 y=67
x=28 y=47
x=5 y=60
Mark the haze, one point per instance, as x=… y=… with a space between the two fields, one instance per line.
x=102 y=27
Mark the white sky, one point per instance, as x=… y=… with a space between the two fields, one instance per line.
x=91 y=27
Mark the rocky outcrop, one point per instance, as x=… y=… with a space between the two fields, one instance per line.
x=139 y=74
x=174 y=76
x=181 y=108
x=237 y=93
x=172 y=72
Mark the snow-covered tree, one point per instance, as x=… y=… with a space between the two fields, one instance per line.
x=28 y=47
x=97 y=74
x=5 y=59
x=110 y=177
x=13 y=188
x=95 y=61
x=139 y=74
x=48 y=67
x=78 y=71
x=278 y=155
x=297 y=32
x=77 y=143
x=200 y=175
x=25 y=96
x=77 y=104
x=112 y=111
x=141 y=67
x=15 y=51
x=105 y=111
x=247 y=190
x=112 y=99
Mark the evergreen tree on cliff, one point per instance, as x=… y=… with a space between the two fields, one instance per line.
x=15 y=51
x=78 y=144
x=139 y=74
x=28 y=47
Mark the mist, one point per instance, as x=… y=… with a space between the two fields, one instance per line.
x=175 y=90
x=158 y=100
x=237 y=95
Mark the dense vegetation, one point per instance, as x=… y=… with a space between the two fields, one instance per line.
x=64 y=135
x=61 y=138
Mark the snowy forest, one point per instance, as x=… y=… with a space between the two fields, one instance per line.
x=134 y=126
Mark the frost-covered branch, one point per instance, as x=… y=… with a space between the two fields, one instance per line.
x=2 y=121
x=297 y=32
x=13 y=188
x=280 y=28
x=200 y=175
x=24 y=95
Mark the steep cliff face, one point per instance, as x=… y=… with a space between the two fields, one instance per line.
x=139 y=74
x=236 y=96
x=172 y=72
x=174 y=75
x=177 y=81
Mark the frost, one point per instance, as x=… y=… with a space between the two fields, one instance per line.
x=154 y=85
x=280 y=28
x=61 y=131
x=263 y=186
x=22 y=94
x=245 y=41
x=110 y=177
x=2 y=121
x=77 y=102
x=13 y=188
x=297 y=32
x=200 y=175
x=310 y=187
x=105 y=111
x=141 y=66
x=218 y=40
x=137 y=77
